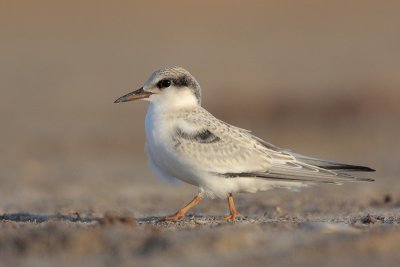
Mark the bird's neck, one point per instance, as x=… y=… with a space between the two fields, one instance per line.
x=174 y=101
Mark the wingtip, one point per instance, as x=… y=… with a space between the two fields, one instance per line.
x=351 y=168
x=365 y=179
x=365 y=169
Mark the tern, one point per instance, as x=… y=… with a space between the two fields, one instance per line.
x=186 y=142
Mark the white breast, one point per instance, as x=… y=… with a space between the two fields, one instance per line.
x=164 y=160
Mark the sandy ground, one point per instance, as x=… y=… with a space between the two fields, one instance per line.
x=310 y=236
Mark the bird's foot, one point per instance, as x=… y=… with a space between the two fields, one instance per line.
x=181 y=213
x=172 y=218
x=231 y=217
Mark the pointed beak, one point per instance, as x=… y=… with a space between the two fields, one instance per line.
x=137 y=94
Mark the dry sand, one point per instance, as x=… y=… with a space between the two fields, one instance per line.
x=341 y=234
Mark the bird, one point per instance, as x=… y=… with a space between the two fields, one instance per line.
x=186 y=142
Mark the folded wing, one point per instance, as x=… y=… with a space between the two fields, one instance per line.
x=232 y=152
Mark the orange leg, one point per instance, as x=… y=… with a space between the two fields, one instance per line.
x=232 y=209
x=181 y=213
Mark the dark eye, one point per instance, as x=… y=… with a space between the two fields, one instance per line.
x=164 y=83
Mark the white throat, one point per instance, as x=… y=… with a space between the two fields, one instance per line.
x=173 y=99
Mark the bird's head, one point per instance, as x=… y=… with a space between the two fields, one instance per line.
x=169 y=85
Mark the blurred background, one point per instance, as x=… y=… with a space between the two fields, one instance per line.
x=321 y=78
x=318 y=77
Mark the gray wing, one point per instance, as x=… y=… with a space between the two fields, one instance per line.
x=232 y=152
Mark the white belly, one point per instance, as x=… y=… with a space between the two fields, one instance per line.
x=220 y=187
